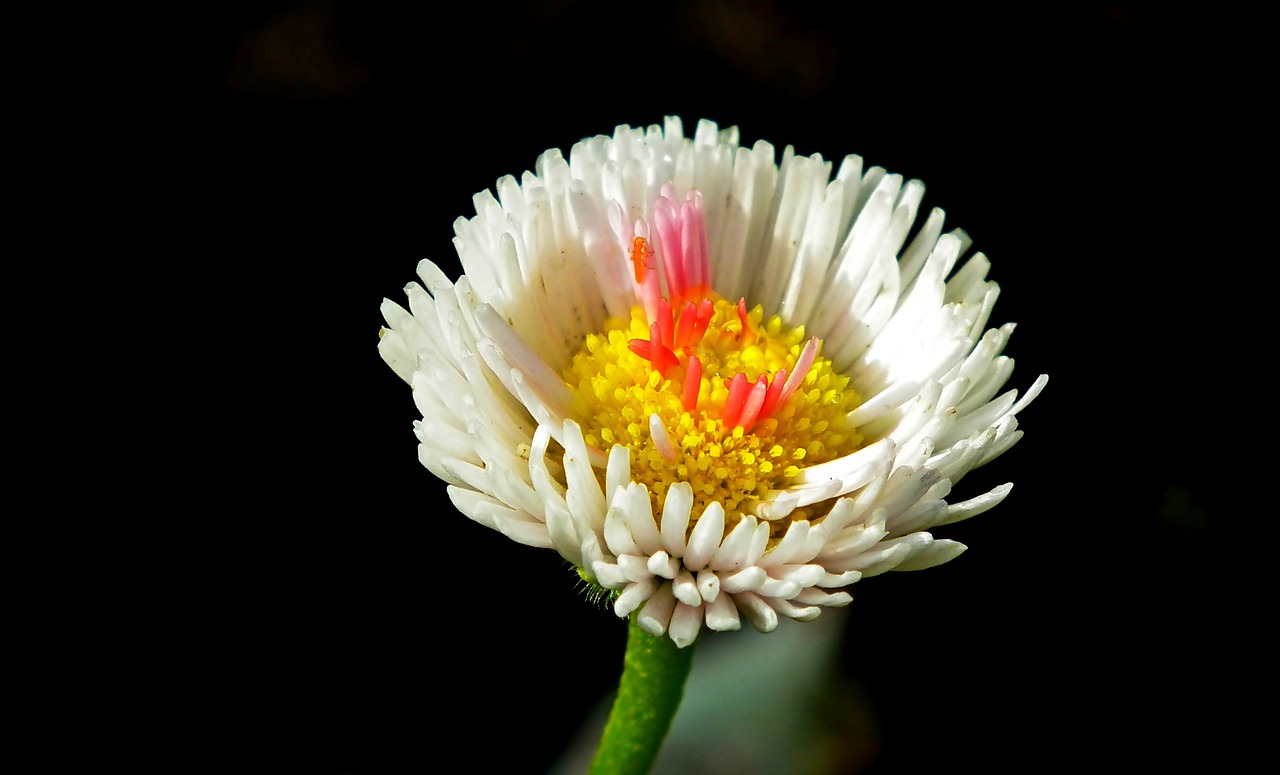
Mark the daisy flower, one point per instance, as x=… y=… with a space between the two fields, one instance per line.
x=723 y=385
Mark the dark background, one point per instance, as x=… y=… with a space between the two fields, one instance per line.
x=353 y=622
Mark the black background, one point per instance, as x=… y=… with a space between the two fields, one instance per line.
x=354 y=622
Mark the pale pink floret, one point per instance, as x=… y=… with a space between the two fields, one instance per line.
x=647 y=280
x=680 y=231
x=803 y=364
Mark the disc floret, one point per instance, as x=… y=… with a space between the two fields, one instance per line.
x=703 y=390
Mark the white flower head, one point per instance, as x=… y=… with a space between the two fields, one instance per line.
x=718 y=385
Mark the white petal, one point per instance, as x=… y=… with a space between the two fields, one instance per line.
x=890 y=554
x=609 y=575
x=722 y=614
x=803 y=575
x=561 y=530
x=708 y=586
x=639 y=515
x=975 y=506
x=686 y=589
x=491 y=513
x=706 y=537
x=617 y=536
x=744 y=580
x=790 y=545
x=783 y=588
x=758 y=612
x=662 y=564
x=656 y=614
x=815 y=596
x=634 y=567
x=634 y=596
x=685 y=623
x=855 y=540
x=735 y=549
x=618 y=472
x=675 y=517
x=583 y=495
x=803 y=614
x=931 y=554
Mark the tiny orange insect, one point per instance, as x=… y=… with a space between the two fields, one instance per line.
x=640 y=251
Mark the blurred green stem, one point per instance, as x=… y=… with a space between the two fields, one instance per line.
x=653 y=676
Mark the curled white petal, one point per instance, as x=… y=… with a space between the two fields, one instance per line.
x=634 y=596
x=686 y=589
x=656 y=614
x=722 y=614
x=662 y=564
x=686 y=620
x=708 y=586
x=744 y=580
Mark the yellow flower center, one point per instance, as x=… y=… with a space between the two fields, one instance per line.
x=620 y=390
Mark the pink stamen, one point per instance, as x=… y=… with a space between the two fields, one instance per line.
x=666 y=229
x=658 y=356
x=748 y=405
x=665 y=325
x=648 y=281
x=692 y=383
x=693 y=239
x=661 y=440
x=663 y=358
x=803 y=364
x=755 y=399
x=772 y=398
x=684 y=328
x=746 y=324
x=733 y=405
x=705 y=310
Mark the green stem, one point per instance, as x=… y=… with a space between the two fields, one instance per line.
x=653 y=676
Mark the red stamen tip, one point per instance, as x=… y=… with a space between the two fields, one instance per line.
x=773 y=395
x=733 y=405
x=660 y=358
x=692 y=383
x=705 y=310
x=662 y=330
x=742 y=315
x=755 y=399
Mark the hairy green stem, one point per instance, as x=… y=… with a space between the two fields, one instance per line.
x=653 y=676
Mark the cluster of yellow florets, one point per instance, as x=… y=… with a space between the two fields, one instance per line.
x=619 y=390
